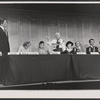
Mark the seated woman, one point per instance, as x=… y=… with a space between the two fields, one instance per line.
x=69 y=48
x=42 y=49
x=25 y=47
x=78 y=47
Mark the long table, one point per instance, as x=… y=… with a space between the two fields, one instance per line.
x=86 y=66
x=37 y=68
x=23 y=69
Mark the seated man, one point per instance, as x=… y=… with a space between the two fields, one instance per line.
x=92 y=47
x=99 y=47
x=78 y=47
x=57 y=43
x=25 y=47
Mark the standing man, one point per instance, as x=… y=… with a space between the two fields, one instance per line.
x=57 y=43
x=92 y=47
x=4 y=46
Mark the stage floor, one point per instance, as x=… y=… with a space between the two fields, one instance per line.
x=61 y=85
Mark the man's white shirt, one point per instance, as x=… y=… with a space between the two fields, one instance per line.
x=61 y=45
x=2 y=28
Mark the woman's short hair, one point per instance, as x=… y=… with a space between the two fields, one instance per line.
x=69 y=42
x=77 y=42
x=25 y=43
x=41 y=42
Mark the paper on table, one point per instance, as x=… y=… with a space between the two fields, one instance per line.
x=13 y=53
x=81 y=52
x=94 y=53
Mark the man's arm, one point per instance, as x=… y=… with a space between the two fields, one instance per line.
x=63 y=46
x=53 y=42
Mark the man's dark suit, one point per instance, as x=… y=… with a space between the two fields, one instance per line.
x=4 y=43
x=4 y=48
x=91 y=49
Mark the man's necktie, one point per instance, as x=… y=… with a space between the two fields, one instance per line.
x=57 y=46
x=93 y=49
x=89 y=49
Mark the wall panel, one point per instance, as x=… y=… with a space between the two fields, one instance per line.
x=35 y=26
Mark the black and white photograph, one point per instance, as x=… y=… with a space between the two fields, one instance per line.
x=49 y=46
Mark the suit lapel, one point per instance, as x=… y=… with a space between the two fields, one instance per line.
x=4 y=32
